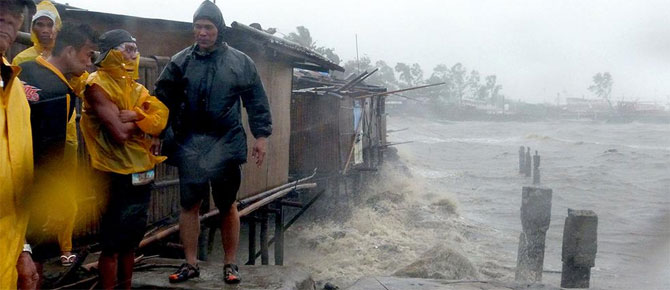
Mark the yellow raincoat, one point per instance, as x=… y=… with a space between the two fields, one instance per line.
x=77 y=83
x=37 y=49
x=65 y=205
x=16 y=173
x=117 y=78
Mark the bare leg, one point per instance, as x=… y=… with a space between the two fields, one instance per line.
x=125 y=268
x=28 y=271
x=230 y=234
x=108 y=265
x=40 y=271
x=189 y=229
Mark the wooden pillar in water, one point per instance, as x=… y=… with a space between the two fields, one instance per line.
x=580 y=244
x=536 y=168
x=535 y=219
x=529 y=163
x=522 y=159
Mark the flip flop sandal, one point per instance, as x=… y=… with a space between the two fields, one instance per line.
x=231 y=274
x=67 y=261
x=186 y=271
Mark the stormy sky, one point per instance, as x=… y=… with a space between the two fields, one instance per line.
x=538 y=49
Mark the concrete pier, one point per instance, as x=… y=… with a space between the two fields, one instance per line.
x=580 y=245
x=211 y=277
x=535 y=219
x=536 y=168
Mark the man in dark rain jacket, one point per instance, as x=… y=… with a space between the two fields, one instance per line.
x=204 y=86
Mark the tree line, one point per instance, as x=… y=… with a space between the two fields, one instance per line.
x=460 y=82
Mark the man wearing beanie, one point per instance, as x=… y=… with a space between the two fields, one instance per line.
x=17 y=269
x=120 y=124
x=205 y=86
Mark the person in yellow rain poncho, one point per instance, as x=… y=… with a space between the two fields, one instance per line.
x=16 y=157
x=51 y=100
x=44 y=29
x=120 y=124
x=46 y=24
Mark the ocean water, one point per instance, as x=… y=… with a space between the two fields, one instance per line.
x=457 y=186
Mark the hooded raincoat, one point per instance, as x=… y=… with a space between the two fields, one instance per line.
x=205 y=93
x=51 y=100
x=78 y=83
x=16 y=172
x=37 y=49
x=117 y=78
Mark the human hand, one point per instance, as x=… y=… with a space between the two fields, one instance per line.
x=28 y=276
x=155 y=146
x=127 y=116
x=259 y=150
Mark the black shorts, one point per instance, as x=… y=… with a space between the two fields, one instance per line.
x=194 y=185
x=124 y=216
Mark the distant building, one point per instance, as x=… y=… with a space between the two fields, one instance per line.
x=587 y=106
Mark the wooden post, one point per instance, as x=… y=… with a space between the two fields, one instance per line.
x=529 y=164
x=203 y=239
x=522 y=159
x=252 y=241
x=536 y=168
x=535 y=219
x=204 y=232
x=580 y=244
x=265 y=256
x=279 y=235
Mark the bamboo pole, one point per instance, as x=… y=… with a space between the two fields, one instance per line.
x=399 y=91
x=264 y=194
x=271 y=198
x=357 y=80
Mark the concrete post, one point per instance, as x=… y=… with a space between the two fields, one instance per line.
x=535 y=219
x=536 y=168
x=522 y=159
x=529 y=163
x=580 y=244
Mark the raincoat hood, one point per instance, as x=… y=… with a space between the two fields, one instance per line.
x=116 y=65
x=211 y=12
x=45 y=9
